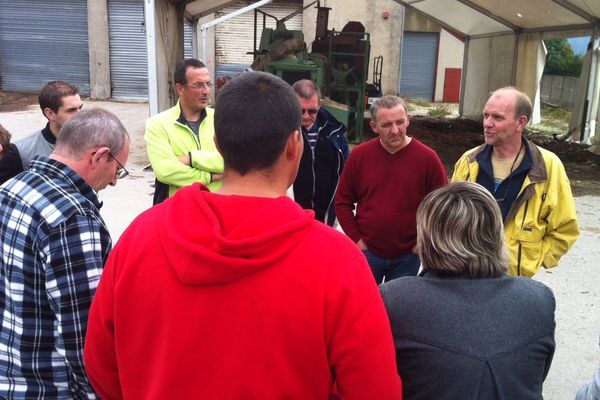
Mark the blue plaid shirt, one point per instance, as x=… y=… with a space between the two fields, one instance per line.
x=54 y=245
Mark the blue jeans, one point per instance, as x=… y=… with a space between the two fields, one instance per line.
x=392 y=268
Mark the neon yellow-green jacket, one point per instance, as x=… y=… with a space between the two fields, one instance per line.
x=541 y=225
x=167 y=137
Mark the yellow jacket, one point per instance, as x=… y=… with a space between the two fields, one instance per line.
x=167 y=137
x=541 y=225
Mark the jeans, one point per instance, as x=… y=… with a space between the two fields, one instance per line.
x=392 y=268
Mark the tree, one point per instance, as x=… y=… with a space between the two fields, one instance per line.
x=561 y=60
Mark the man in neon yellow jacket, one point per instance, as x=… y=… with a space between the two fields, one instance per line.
x=528 y=182
x=180 y=140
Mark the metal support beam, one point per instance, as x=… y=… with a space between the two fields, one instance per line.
x=463 y=78
x=150 y=20
x=578 y=11
x=593 y=94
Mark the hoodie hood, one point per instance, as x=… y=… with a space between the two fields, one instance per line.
x=212 y=238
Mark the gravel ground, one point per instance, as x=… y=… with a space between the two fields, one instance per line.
x=574 y=282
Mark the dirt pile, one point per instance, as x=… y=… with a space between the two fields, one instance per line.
x=452 y=137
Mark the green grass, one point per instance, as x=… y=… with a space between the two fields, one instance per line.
x=555 y=120
x=438 y=112
x=421 y=103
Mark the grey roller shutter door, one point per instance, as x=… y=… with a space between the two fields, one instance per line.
x=234 y=37
x=419 y=59
x=187 y=41
x=128 y=59
x=42 y=41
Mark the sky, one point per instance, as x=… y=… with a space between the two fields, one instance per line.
x=579 y=44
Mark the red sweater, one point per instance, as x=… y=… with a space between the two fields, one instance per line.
x=208 y=296
x=387 y=188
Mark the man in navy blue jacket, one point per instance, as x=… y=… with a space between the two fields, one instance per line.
x=324 y=156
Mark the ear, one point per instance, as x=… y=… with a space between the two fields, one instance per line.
x=408 y=118
x=373 y=126
x=294 y=146
x=522 y=122
x=320 y=103
x=49 y=114
x=96 y=157
x=179 y=88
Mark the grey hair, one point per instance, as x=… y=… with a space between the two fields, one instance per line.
x=460 y=231
x=306 y=89
x=387 y=101
x=91 y=129
x=523 y=105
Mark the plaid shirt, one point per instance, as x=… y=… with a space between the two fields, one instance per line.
x=54 y=246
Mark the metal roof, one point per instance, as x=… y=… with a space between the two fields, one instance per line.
x=491 y=17
x=480 y=17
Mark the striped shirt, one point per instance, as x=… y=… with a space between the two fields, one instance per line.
x=312 y=135
x=54 y=245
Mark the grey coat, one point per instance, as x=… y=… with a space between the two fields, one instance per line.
x=463 y=338
x=591 y=389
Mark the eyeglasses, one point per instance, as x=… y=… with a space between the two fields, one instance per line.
x=122 y=171
x=310 y=111
x=199 y=85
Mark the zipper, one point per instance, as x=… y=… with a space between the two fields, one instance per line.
x=196 y=138
x=519 y=260
x=340 y=156
x=520 y=245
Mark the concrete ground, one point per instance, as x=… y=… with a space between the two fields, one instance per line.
x=575 y=282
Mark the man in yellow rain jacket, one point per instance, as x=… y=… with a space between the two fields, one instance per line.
x=528 y=182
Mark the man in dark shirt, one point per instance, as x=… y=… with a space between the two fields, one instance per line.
x=59 y=101
x=325 y=153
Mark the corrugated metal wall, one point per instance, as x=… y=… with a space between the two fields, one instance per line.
x=41 y=41
x=128 y=54
x=234 y=37
x=187 y=40
x=419 y=58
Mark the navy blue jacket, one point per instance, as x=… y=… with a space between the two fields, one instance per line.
x=321 y=168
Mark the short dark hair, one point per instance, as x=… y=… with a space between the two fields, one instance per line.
x=4 y=140
x=53 y=92
x=255 y=114
x=182 y=67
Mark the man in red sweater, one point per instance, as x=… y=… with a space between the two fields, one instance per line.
x=387 y=177
x=240 y=294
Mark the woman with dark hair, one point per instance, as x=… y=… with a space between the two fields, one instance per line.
x=464 y=329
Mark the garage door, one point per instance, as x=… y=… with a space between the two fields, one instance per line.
x=419 y=59
x=41 y=41
x=128 y=59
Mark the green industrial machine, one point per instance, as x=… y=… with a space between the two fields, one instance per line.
x=338 y=63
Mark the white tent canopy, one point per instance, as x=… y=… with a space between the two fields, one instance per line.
x=502 y=42
x=485 y=17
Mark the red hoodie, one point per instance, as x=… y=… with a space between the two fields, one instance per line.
x=208 y=296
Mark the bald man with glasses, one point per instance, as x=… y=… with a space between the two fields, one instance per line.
x=324 y=155
x=180 y=141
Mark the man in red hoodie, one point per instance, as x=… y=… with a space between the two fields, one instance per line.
x=240 y=294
